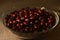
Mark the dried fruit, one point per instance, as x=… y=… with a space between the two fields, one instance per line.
x=30 y=20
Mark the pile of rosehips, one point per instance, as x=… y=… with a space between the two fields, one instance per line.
x=30 y=20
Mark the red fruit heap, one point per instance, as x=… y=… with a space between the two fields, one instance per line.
x=30 y=20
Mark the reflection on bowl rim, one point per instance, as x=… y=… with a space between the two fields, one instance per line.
x=57 y=20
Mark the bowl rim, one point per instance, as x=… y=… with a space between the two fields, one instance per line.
x=57 y=19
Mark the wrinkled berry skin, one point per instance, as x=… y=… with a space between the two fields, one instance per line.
x=29 y=20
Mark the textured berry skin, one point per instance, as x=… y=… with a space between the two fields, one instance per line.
x=29 y=20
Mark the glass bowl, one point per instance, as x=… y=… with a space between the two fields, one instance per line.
x=35 y=34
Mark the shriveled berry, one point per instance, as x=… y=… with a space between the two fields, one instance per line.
x=25 y=23
x=39 y=11
x=30 y=20
x=14 y=21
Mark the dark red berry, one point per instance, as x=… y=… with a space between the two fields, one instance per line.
x=30 y=20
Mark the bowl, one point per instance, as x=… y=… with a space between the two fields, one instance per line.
x=35 y=34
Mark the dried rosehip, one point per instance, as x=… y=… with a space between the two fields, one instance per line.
x=30 y=20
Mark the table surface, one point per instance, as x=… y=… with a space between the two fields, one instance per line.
x=7 y=5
